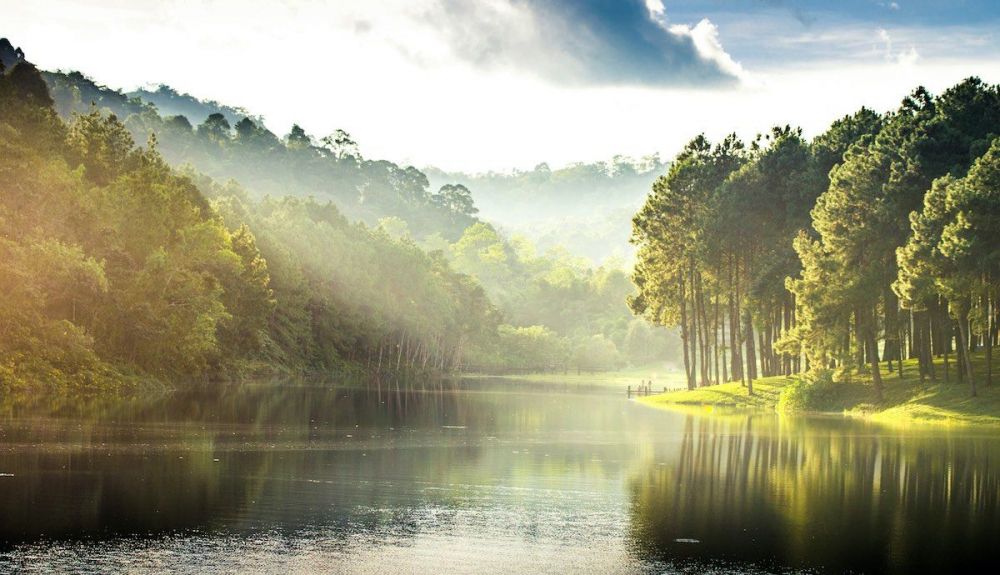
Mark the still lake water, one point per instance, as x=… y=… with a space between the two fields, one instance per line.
x=457 y=478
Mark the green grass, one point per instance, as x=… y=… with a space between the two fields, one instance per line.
x=905 y=400
x=661 y=374
x=766 y=394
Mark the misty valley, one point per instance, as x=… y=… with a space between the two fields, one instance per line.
x=237 y=341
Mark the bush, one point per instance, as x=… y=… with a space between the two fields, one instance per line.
x=814 y=391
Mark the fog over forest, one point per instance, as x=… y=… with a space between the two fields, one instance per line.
x=503 y=286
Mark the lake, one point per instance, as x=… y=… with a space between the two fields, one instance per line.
x=481 y=476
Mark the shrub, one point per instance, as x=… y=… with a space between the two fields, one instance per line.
x=814 y=391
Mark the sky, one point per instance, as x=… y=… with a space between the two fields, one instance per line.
x=479 y=85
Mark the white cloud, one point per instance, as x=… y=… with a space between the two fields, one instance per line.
x=705 y=36
x=387 y=75
x=657 y=11
x=906 y=57
x=571 y=42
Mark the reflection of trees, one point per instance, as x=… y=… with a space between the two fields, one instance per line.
x=196 y=457
x=827 y=493
x=288 y=456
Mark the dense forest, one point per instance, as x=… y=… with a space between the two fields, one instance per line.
x=874 y=242
x=297 y=164
x=219 y=251
x=116 y=264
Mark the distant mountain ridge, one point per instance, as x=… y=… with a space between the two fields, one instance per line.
x=170 y=102
x=583 y=207
x=225 y=142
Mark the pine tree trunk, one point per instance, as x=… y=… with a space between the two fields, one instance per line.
x=695 y=343
x=859 y=338
x=963 y=343
x=702 y=333
x=990 y=327
x=715 y=340
x=685 y=334
x=873 y=355
x=738 y=334
x=917 y=338
x=725 y=365
x=751 y=366
x=960 y=349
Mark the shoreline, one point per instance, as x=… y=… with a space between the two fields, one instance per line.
x=905 y=401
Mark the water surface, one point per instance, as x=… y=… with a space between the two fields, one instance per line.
x=477 y=477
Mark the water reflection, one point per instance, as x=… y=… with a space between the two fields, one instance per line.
x=821 y=493
x=471 y=478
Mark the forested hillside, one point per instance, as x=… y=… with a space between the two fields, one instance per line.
x=216 y=251
x=874 y=242
x=297 y=164
x=115 y=265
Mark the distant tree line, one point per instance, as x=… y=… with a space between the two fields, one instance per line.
x=875 y=242
x=560 y=313
x=298 y=164
x=585 y=207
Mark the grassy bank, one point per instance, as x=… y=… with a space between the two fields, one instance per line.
x=905 y=400
x=661 y=374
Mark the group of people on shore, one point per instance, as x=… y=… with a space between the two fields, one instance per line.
x=644 y=388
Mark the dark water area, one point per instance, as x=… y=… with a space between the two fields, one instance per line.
x=480 y=477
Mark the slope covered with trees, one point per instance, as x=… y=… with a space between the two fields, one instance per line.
x=223 y=147
x=113 y=265
x=873 y=243
x=126 y=261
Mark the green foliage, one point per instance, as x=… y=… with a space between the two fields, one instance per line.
x=536 y=348
x=823 y=248
x=814 y=391
x=583 y=206
x=227 y=143
x=577 y=303
x=596 y=353
x=113 y=263
x=867 y=265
